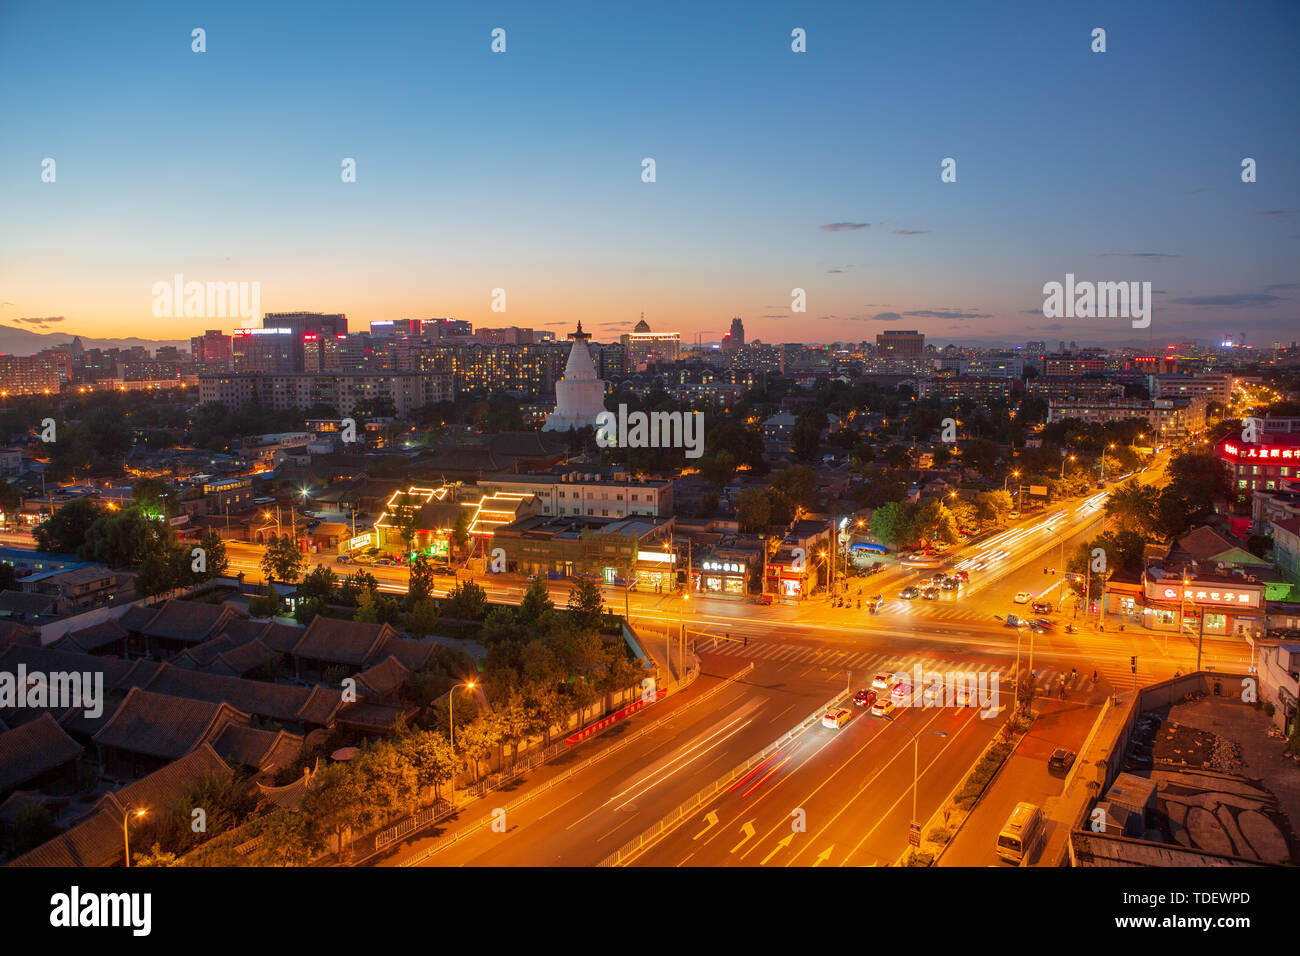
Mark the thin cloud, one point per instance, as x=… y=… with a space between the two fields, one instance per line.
x=843 y=226
x=1245 y=300
x=1278 y=214
x=41 y=322
x=1193 y=192
x=888 y=317
x=947 y=314
x=1282 y=287
x=910 y=232
x=1141 y=255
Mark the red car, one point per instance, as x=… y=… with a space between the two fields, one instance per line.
x=864 y=698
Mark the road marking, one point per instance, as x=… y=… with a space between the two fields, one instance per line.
x=824 y=855
x=748 y=830
x=712 y=820
x=781 y=845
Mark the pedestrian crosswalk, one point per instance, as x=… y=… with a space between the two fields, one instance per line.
x=865 y=665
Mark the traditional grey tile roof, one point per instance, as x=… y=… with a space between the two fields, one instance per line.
x=414 y=655
x=240 y=660
x=159 y=725
x=28 y=751
x=97 y=840
x=12 y=632
x=266 y=751
x=21 y=602
x=137 y=616
x=342 y=642
x=90 y=638
x=189 y=622
x=278 y=702
x=384 y=679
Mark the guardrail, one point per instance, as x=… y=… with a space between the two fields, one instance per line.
x=554 y=781
x=680 y=814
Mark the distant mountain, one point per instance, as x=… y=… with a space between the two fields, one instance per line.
x=15 y=341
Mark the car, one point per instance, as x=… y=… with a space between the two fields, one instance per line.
x=979 y=564
x=1042 y=607
x=1023 y=597
x=930 y=594
x=837 y=718
x=881 y=706
x=962 y=696
x=1012 y=621
x=882 y=681
x=1061 y=760
x=961 y=576
x=951 y=584
x=386 y=562
x=1014 y=514
x=932 y=695
x=901 y=691
x=910 y=593
x=1042 y=623
x=343 y=559
x=442 y=569
x=875 y=567
x=864 y=698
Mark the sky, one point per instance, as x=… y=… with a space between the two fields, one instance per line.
x=774 y=170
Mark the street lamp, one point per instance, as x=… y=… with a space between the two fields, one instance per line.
x=451 y=711
x=916 y=755
x=136 y=812
x=1011 y=474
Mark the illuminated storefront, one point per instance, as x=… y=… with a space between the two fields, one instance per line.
x=716 y=576
x=1218 y=605
x=656 y=569
x=1271 y=464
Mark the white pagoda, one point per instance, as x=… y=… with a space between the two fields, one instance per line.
x=579 y=395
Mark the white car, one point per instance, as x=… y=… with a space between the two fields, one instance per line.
x=835 y=719
x=881 y=681
x=902 y=691
x=1023 y=597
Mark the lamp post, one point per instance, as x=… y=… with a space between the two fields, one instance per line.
x=1010 y=474
x=916 y=755
x=451 y=727
x=136 y=812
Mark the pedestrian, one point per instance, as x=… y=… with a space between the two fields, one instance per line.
x=1094 y=677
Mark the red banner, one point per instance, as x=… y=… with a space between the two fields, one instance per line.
x=586 y=733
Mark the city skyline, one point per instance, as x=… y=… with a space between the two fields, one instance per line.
x=523 y=170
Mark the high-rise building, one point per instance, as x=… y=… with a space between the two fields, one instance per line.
x=211 y=348
x=266 y=350
x=734 y=340
x=645 y=347
x=895 y=343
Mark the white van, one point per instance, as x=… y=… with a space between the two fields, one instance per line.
x=1021 y=833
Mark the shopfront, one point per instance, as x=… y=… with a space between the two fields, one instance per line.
x=721 y=577
x=1218 y=606
x=656 y=570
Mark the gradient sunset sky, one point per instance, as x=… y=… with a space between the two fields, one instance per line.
x=774 y=169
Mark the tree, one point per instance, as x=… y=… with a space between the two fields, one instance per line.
x=718 y=468
x=122 y=538
x=64 y=531
x=466 y=602
x=214 y=555
x=283 y=559
x=460 y=532
x=1136 y=506
x=422 y=619
x=892 y=524
x=152 y=494
x=318 y=583
x=753 y=510
x=376 y=608
x=992 y=507
x=933 y=523
x=335 y=803
x=10 y=496
x=420 y=586
x=536 y=600
x=405 y=518
x=586 y=604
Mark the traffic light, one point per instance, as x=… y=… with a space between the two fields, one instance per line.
x=1133 y=663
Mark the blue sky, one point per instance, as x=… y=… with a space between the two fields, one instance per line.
x=522 y=170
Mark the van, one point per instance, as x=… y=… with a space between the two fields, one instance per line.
x=1021 y=833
